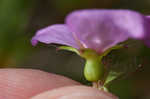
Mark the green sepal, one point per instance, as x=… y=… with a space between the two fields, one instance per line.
x=68 y=48
x=112 y=48
x=111 y=76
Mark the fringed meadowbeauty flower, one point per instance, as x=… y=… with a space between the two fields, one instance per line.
x=91 y=33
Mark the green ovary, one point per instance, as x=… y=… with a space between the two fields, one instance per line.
x=93 y=70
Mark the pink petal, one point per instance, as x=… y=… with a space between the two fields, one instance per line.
x=58 y=34
x=102 y=29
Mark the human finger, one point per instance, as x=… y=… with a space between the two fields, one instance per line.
x=75 y=92
x=24 y=83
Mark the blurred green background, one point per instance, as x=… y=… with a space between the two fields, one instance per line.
x=20 y=19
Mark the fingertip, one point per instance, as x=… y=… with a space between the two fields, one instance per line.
x=75 y=92
x=25 y=83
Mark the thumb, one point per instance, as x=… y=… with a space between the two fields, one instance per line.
x=75 y=92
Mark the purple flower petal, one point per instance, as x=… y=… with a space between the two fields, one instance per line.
x=59 y=34
x=146 y=39
x=102 y=29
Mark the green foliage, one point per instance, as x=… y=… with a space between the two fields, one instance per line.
x=13 y=20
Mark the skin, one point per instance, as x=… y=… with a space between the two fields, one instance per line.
x=36 y=84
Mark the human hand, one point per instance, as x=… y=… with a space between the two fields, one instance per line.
x=35 y=84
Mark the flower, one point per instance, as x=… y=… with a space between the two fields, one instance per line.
x=96 y=29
